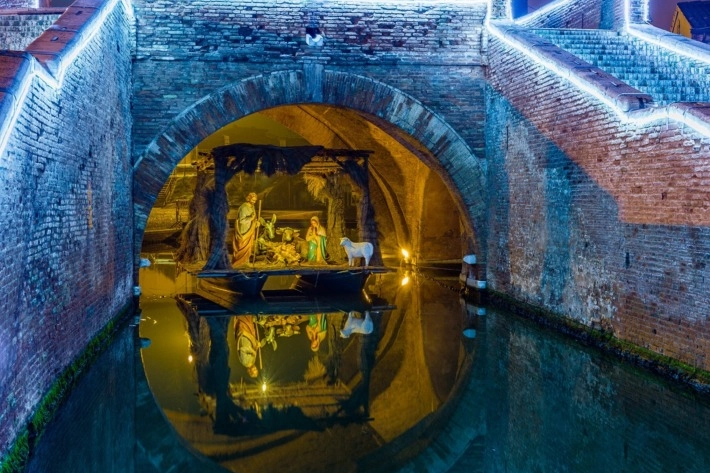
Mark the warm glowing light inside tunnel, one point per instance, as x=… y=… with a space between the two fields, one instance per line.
x=400 y=172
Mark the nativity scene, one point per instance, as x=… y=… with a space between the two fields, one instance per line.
x=318 y=241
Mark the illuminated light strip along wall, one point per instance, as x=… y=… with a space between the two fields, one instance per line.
x=680 y=47
x=640 y=118
x=66 y=58
x=676 y=112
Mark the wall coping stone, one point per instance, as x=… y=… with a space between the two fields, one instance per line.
x=696 y=115
x=56 y=45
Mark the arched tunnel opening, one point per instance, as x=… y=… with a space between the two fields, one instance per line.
x=414 y=208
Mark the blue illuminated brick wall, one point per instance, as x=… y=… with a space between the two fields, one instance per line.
x=196 y=47
x=602 y=221
x=18 y=4
x=589 y=14
x=17 y=31
x=65 y=210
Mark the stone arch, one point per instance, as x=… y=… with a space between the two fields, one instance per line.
x=393 y=110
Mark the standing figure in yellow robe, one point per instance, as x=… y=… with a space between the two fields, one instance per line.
x=245 y=227
x=248 y=345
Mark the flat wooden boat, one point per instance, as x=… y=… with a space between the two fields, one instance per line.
x=210 y=300
x=249 y=282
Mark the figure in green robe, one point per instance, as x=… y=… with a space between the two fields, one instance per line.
x=316 y=238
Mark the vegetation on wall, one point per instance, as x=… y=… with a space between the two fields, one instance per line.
x=661 y=365
x=19 y=453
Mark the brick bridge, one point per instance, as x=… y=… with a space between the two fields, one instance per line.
x=569 y=149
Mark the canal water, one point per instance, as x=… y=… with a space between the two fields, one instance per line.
x=415 y=378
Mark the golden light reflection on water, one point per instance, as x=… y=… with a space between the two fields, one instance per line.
x=163 y=279
x=368 y=381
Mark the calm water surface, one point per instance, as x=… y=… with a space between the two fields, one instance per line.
x=425 y=381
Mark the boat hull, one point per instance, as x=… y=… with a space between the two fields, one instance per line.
x=317 y=280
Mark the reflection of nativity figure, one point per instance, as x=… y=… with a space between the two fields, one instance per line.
x=316 y=238
x=212 y=369
x=354 y=324
x=282 y=325
x=247 y=343
x=316 y=330
x=245 y=227
x=359 y=401
x=321 y=331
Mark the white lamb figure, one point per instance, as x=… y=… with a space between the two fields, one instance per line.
x=357 y=325
x=357 y=250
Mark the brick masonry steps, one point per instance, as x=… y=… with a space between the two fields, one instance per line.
x=644 y=66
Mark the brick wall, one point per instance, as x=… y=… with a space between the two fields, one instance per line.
x=602 y=221
x=17 y=31
x=15 y=4
x=234 y=42
x=65 y=208
x=590 y=14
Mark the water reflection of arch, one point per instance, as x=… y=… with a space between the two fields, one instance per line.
x=429 y=430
